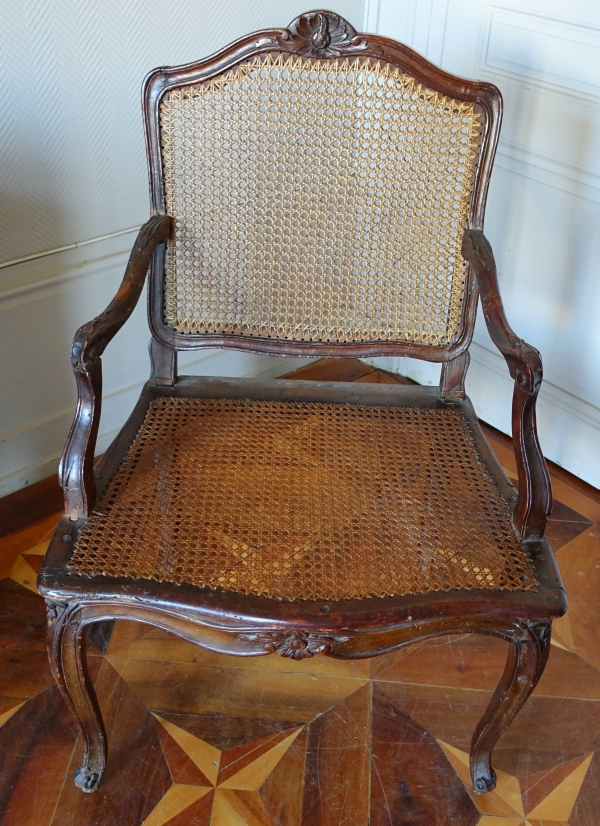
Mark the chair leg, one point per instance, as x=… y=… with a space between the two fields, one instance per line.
x=530 y=646
x=66 y=648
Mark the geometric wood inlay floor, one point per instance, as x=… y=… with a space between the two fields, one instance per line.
x=202 y=739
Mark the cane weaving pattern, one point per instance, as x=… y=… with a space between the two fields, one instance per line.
x=304 y=500
x=317 y=201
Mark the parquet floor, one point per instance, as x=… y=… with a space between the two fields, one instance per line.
x=198 y=738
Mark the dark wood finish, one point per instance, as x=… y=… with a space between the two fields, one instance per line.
x=410 y=784
x=525 y=365
x=66 y=645
x=67 y=640
x=249 y=626
x=163 y=363
x=32 y=504
x=431 y=686
x=238 y=624
x=346 y=803
x=527 y=657
x=454 y=374
x=35 y=750
x=100 y=634
x=76 y=470
x=307 y=36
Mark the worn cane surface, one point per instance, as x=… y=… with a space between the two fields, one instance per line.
x=300 y=500
x=200 y=739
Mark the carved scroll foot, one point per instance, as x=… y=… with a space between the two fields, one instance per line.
x=530 y=645
x=66 y=648
x=484 y=777
x=87 y=779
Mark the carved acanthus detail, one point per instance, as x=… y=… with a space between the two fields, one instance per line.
x=542 y=632
x=321 y=34
x=55 y=610
x=297 y=645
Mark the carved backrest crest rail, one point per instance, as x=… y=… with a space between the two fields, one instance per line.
x=319 y=181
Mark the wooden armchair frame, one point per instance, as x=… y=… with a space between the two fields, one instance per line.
x=235 y=623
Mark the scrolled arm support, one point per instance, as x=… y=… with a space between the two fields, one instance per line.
x=76 y=471
x=534 y=501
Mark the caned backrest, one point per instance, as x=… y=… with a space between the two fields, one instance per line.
x=319 y=192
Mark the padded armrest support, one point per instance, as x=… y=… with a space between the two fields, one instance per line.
x=534 y=501
x=76 y=471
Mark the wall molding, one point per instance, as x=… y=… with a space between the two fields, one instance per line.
x=569 y=427
x=73 y=162
x=56 y=290
x=551 y=170
x=76 y=245
x=32 y=435
x=548 y=90
x=578 y=180
x=496 y=75
x=553 y=26
x=410 y=22
x=551 y=393
x=372 y=13
x=419 y=24
x=34 y=450
x=30 y=279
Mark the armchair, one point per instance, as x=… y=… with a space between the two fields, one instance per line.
x=311 y=189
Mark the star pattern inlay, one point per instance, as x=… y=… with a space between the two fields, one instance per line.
x=232 y=777
x=513 y=803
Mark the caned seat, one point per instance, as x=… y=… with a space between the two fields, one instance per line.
x=314 y=192
x=304 y=500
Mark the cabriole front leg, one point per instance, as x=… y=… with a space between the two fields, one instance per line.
x=529 y=648
x=66 y=648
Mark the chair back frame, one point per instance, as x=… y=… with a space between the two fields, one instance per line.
x=319 y=35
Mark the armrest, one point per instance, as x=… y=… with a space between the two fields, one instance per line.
x=534 y=500
x=76 y=470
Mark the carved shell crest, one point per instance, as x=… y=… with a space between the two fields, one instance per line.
x=324 y=34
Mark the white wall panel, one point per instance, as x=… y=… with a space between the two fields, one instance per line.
x=544 y=204
x=72 y=169
x=543 y=48
x=39 y=311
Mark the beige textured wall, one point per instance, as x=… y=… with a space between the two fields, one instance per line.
x=72 y=169
x=72 y=158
